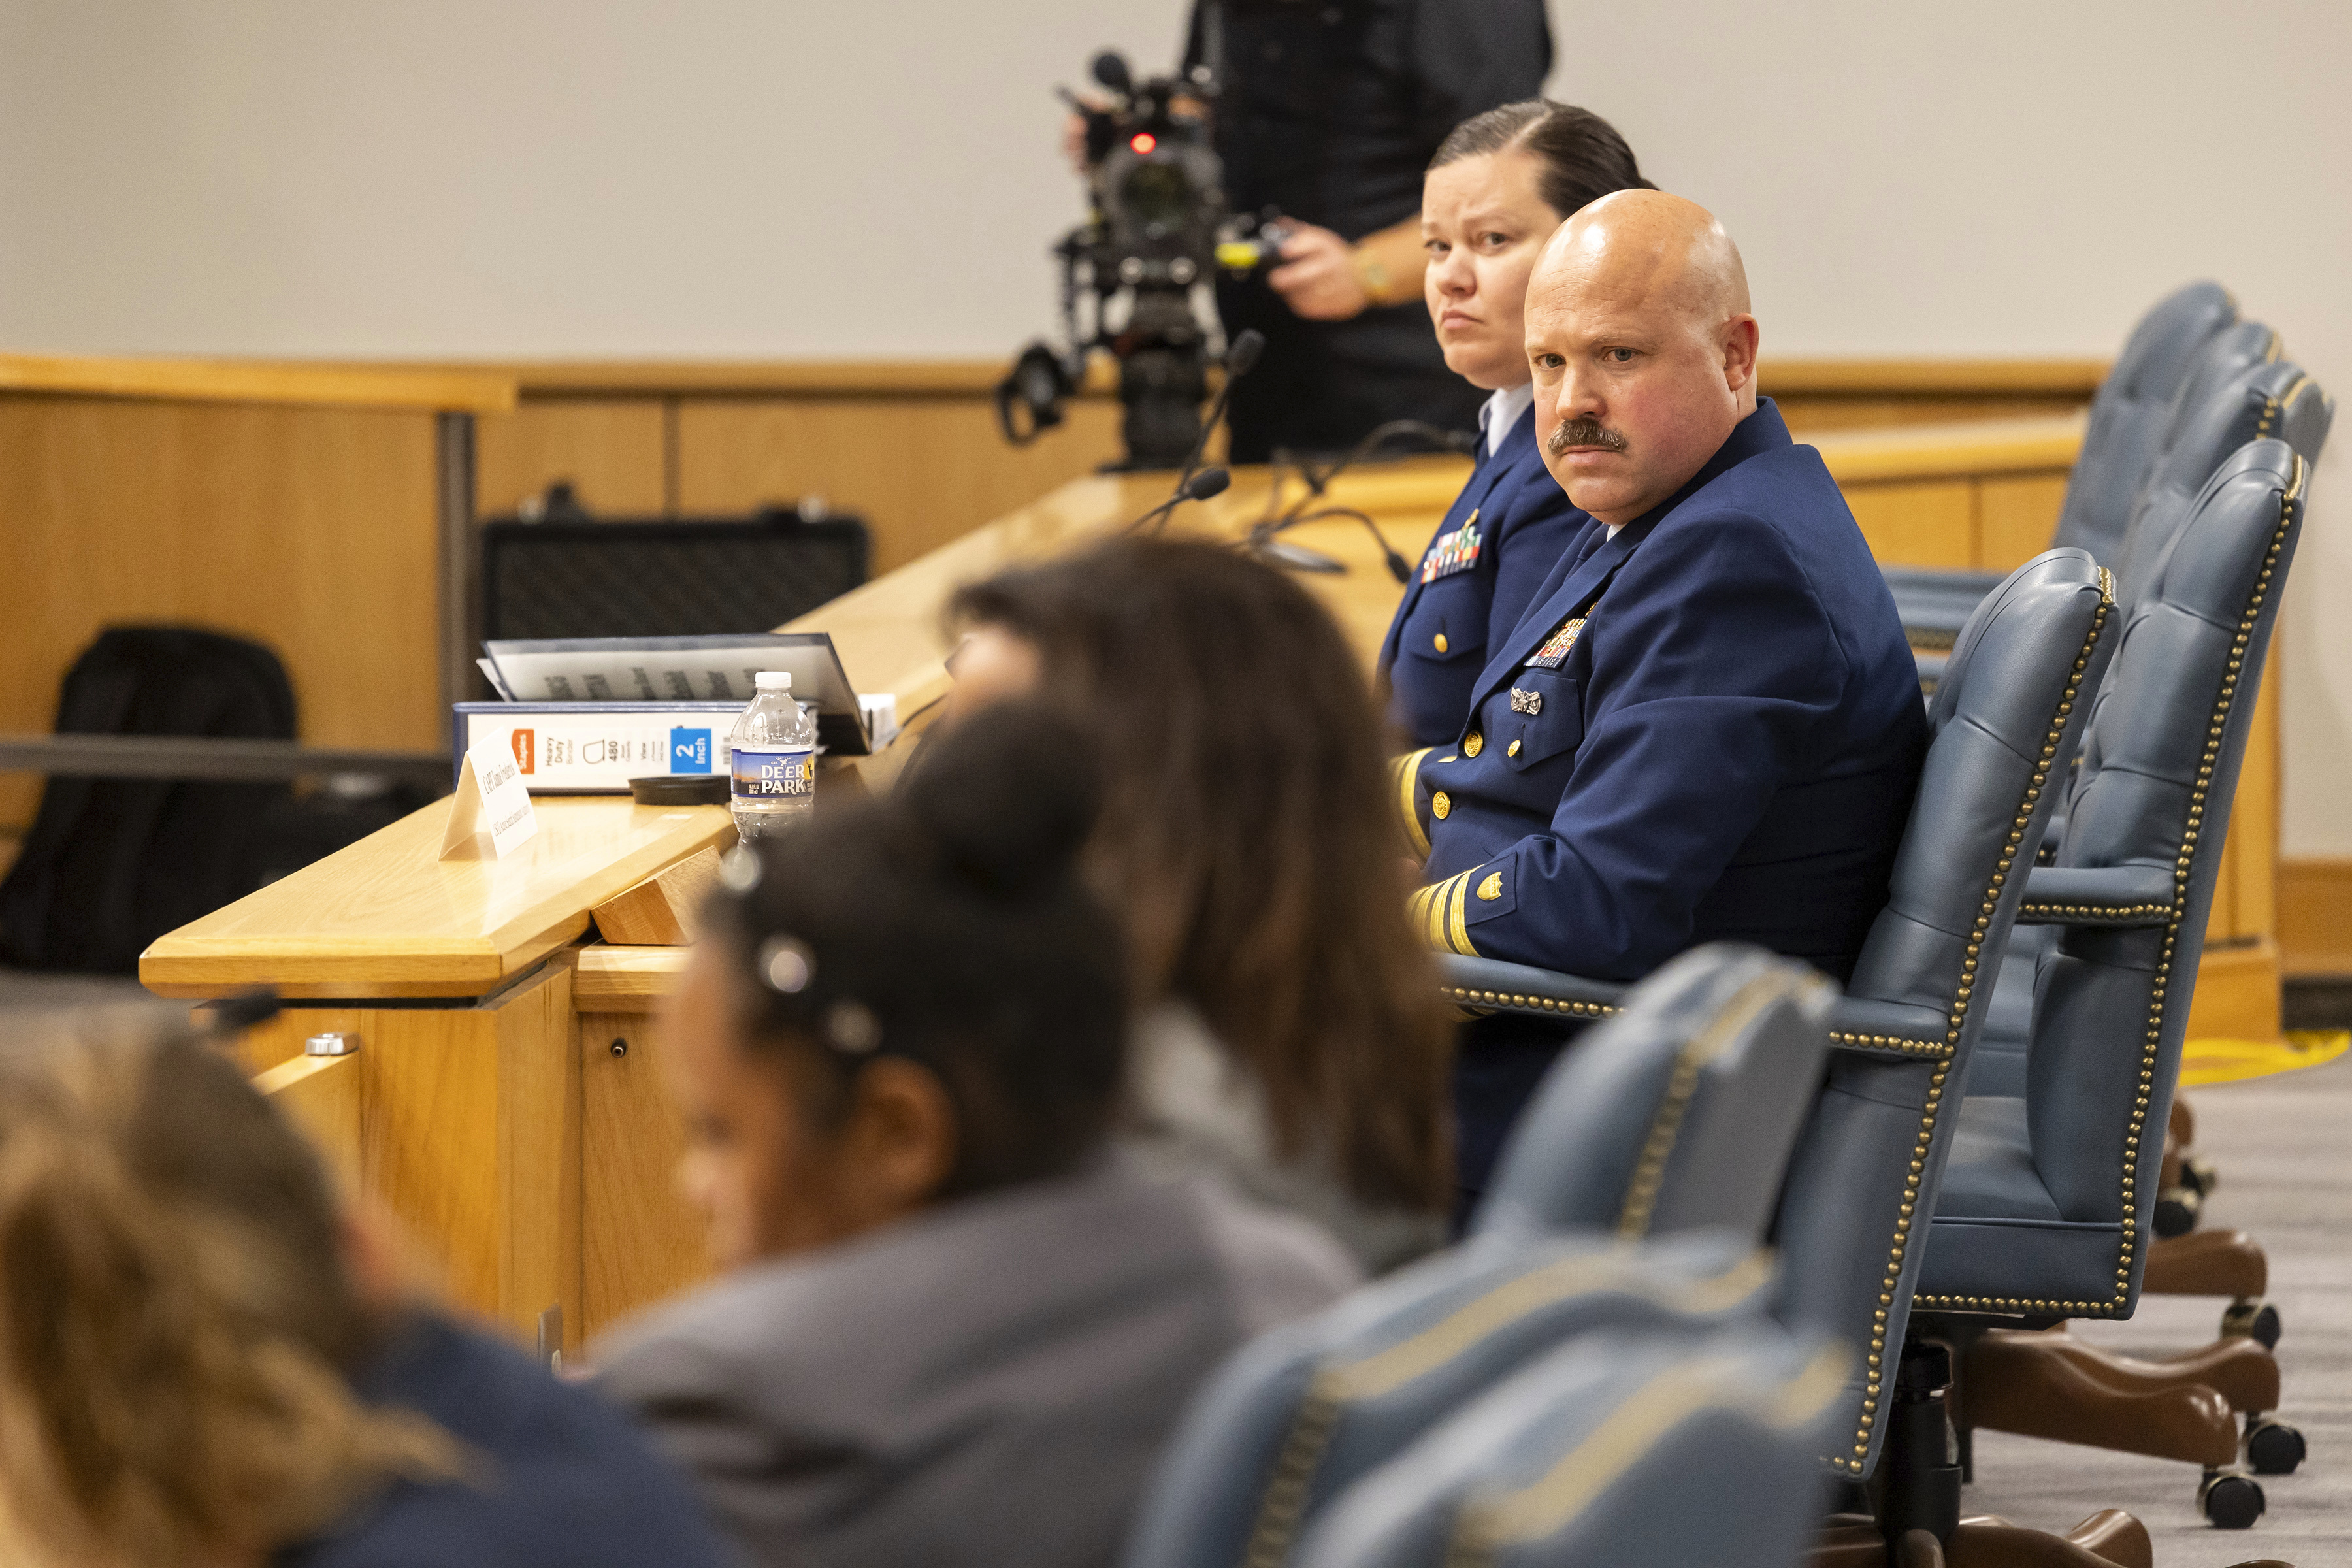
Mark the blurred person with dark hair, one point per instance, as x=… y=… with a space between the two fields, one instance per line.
x=205 y=1364
x=1289 y=1033
x=1497 y=189
x=1329 y=110
x=955 y=1329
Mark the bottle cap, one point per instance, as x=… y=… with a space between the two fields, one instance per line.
x=773 y=680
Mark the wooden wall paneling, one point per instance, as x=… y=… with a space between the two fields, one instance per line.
x=2314 y=916
x=640 y=1239
x=613 y=451
x=1917 y=523
x=921 y=470
x=2016 y=515
x=2254 y=814
x=2237 y=995
x=309 y=529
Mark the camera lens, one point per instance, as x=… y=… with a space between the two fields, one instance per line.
x=1157 y=195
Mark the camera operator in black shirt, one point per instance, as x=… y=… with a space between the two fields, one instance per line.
x=1330 y=111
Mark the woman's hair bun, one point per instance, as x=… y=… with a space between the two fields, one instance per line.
x=1008 y=796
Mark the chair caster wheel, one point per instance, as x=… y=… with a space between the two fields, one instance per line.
x=2273 y=1447
x=2252 y=1319
x=2177 y=1210
x=2231 y=1500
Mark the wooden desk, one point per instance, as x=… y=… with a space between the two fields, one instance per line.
x=508 y=1086
x=457 y=977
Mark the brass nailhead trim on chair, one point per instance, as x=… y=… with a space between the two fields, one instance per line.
x=1875 y=1366
x=1475 y=999
x=2184 y=859
x=1650 y=1170
x=1906 y=1044
x=2095 y=914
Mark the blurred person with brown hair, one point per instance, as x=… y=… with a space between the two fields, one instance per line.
x=204 y=1363
x=1288 y=1032
x=954 y=1329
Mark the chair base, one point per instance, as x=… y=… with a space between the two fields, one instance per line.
x=2108 y=1538
x=2240 y=1369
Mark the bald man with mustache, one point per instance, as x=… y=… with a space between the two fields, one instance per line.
x=1708 y=727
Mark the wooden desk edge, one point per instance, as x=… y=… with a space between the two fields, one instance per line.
x=625 y=979
x=451 y=391
x=1990 y=447
x=1805 y=376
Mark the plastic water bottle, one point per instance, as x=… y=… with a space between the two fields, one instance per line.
x=774 y=759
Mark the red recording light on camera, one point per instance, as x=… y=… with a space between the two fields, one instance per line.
x=1143 y=141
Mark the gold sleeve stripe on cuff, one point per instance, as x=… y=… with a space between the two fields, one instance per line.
x=1408 y=776
x=1457 y=930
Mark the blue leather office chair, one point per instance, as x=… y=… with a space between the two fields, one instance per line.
x=1592 y=1456
x=2268 y=399
x=2043 y=1214
x=2010 y=706
x=2128 y=417
x=1754 y=1033
x=1300 y=1413
x=2103 y=522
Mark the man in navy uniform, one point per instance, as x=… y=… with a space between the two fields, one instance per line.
x=1707 y=726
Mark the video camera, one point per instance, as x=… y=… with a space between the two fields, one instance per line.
x=1136 y=274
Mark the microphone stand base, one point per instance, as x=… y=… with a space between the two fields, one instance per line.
x=1296 y=557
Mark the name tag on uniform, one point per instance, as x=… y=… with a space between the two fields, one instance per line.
x=1554 y=652
x=1451 y=553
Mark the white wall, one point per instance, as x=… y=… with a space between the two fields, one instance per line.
x=757 y=178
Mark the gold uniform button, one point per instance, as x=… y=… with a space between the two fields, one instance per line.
x=1512 y=750
x=1492 y=888
x=1472 y=743
x=1438 y=642
x=1441 y=802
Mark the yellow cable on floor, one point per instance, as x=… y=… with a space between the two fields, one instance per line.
x=2208 y=1061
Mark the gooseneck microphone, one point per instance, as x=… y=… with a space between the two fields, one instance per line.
x=1241 y=355
x=1261 y=540
x=1198 y=486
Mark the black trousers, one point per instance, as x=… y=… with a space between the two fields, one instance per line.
x=1502 y=1059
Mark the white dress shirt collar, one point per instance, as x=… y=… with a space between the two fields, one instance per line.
x=1502 y=411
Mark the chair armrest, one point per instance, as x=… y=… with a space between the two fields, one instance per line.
x=2097 y=896
x=1953 y=582
x=1897 y=1029
x=1491 y=985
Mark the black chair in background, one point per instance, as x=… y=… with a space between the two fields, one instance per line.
x=684 y=578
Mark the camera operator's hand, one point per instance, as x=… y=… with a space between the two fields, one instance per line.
x=1318 y=276
x=1073 y=130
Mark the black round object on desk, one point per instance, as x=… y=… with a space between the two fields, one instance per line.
x=680 y=789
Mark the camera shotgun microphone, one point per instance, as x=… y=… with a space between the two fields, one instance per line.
x=1241 y=355
x=1195 y=487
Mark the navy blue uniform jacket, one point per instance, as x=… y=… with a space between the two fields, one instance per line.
x=1507 y=529
x=562 y=1481
x=1725 y=748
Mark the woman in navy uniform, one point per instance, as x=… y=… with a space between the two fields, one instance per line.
x=1328 y=113
x=1497 y=188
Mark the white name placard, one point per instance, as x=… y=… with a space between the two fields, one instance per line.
x=491 y=802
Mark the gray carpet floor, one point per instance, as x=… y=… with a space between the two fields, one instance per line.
x=2283 y=1149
